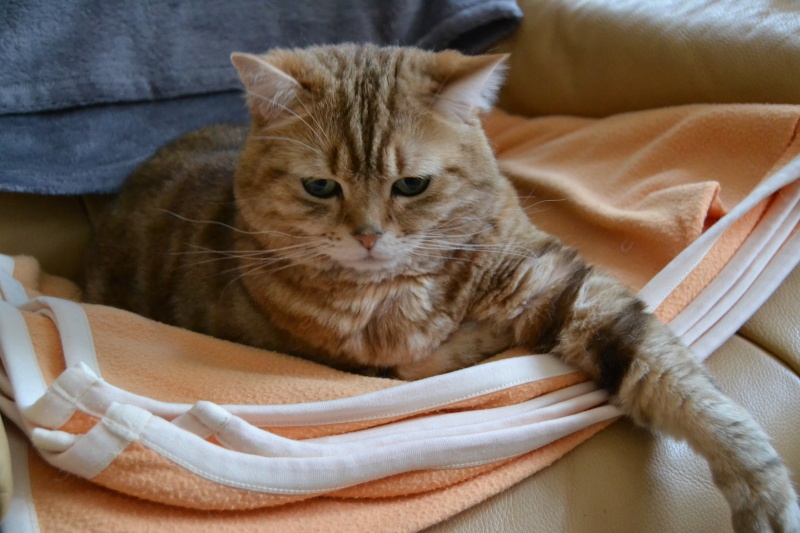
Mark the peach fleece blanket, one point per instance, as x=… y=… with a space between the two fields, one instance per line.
x=696 y=207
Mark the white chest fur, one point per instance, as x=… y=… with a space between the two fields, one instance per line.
x=391 y=323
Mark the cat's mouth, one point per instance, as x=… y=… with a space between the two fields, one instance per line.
x=383 y=257
x=370 y=263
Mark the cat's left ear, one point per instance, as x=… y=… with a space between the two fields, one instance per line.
x=269 y=89
x=471 y=85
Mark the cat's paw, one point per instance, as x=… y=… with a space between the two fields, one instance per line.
x=774 y=510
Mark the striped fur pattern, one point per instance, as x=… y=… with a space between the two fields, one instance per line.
x=308 y=234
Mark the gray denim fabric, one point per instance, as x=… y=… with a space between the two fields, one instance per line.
x=90 y=88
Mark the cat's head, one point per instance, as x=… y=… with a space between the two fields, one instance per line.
x=365 y=159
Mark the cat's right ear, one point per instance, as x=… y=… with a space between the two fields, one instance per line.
x=471 y=84
x=269 y=89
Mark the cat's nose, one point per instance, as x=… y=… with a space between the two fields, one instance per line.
x=368 y=237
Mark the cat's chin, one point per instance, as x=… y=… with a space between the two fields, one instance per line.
x=370 y=264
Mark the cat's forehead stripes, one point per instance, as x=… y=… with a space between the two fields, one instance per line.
x=398 y=159
x=371 y=103
x=334 y=157
x=393 y=161
x=368 y=90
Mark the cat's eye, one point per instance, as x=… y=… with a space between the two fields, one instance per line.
x=410 y=186
x=322 y=188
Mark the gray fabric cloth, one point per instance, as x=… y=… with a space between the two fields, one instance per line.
x=90 y=89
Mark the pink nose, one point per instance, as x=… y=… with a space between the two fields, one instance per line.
x=368 y=240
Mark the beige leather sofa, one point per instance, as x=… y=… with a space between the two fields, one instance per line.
x=594 y=59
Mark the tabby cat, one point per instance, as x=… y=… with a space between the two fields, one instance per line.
x=361 y=221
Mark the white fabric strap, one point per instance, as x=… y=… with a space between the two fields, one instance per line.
x=666 y=281
x=343 y=467
x=11 y=290
x=79 y=389
x=67 y=394
x=759 y=291
x=73 y=328
x=21 y=516
x=19 y=357
x=747 y=263
x=404 y=427
x=749 y=270
x=437 y=441
x=93 y=451
x=236 y=434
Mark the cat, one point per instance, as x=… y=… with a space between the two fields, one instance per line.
x=361 y=221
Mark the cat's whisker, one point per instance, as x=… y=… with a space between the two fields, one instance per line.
x=531 y=213
x=289 y=139
x=438 y=93
x=260 y=267
x=450 y=246
x=424 y=255
x=523 y=201
x=471 y=220
x=206 y=261
x=449 y=224
x=297 y=255
x=507 y=196
x=467 y=222
x=508 y=250
x=202 y=249
x=471 y=246
x=239 y=268
x=242 y=253
x=234 y=280
x=311 y=115
x=298 y=246
x=453 y=238
x=527 y=208
x=206 y=251
x=220 y=257
x=275 y=103
x=233 y=228
x=273 y=270
x=281 y=233
x=445 y=228
x=212 y=222
x=255 y=255
x=458 y=235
